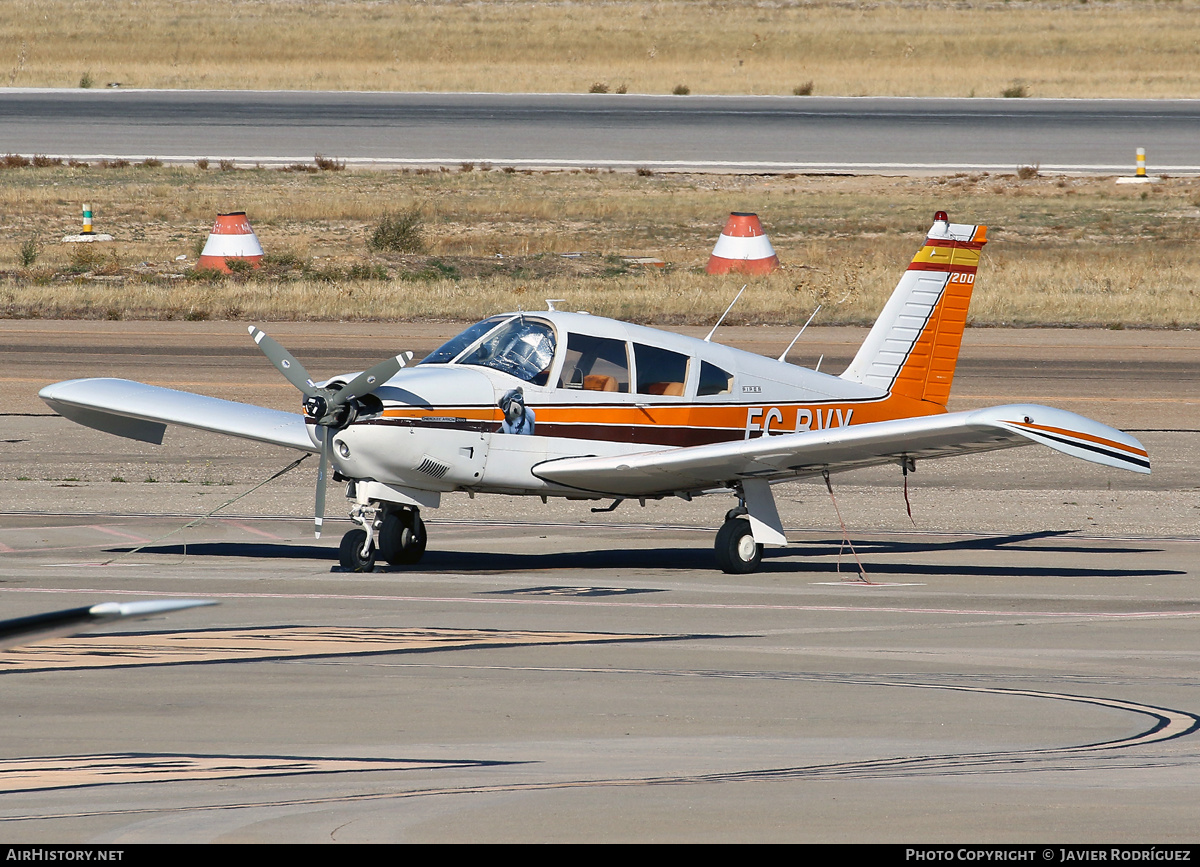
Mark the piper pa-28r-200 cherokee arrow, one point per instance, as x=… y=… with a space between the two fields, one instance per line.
x=560 y=404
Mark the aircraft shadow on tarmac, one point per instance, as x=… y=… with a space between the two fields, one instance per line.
x=798 y=558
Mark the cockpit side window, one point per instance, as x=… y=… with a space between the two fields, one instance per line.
x=595 y=364
x=522 y=347
x=713 y=380
x=454 y=347
x=660 y=371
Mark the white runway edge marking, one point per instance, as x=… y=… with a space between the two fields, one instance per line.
x=661 y=165
x=854 y=582
x=610 y=601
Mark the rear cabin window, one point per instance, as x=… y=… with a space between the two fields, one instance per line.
x=714 y=380
x=660 y=371
x=595 y=364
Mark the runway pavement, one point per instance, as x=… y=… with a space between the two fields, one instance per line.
x=1022 y=666
x=620 y=131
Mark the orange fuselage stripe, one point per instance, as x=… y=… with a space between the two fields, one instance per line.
x=697 y=416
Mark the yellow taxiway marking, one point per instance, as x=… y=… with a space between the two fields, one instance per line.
x=271 y=643
x=59 y=772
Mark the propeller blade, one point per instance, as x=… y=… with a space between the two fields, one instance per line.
x=284 y=362
x=369 y=380
x=322 y=470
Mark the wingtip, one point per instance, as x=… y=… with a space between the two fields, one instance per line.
x=145 y=608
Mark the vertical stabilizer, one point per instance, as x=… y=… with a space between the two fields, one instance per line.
x=913 y=348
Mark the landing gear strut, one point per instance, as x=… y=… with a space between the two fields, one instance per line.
x=401 y=532
x=737 y=552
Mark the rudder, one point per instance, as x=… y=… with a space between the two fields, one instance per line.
x=913 y=348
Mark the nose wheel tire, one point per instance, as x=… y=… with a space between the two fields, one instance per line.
x=350 y=552
x=737 y=552
x=402 y=537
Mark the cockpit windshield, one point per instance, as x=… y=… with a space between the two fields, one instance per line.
x=454 y=347
x=519 y=346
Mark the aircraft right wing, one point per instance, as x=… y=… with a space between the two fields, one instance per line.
x=809 y=453
x=142 y=412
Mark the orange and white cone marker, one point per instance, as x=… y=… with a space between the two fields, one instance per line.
x=231 y=238
x=743 y=248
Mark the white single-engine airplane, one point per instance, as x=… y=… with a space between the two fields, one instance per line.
x=569 y=405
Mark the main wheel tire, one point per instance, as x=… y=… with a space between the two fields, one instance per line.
x=391 y=533
x=413 y=545
x=350 y=552
x=737 y=552
x=402 y=537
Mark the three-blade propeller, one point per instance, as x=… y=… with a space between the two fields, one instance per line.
x=332 y=408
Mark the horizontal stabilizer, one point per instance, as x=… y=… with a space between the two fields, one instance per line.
x=139 y=411
x=809 y=453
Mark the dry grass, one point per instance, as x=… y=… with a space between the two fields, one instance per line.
x=1063 y=251
x=953 y=48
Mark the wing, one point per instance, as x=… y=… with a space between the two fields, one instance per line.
x=846 y=448
x=142 y=412
x=24 y=630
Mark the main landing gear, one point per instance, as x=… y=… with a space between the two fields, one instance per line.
x=737 y=552
x=401 y=532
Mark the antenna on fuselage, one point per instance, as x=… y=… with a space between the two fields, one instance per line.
x=726 y=313
x=550 y=302
x=801 y=331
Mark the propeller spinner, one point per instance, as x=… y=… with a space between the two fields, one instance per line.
x=331 y=408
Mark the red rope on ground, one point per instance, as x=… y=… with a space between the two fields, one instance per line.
x=862 y=573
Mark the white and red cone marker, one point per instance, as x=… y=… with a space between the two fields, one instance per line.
x=743 y=248
x=231 y=238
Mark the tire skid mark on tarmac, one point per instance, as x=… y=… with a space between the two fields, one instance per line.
x=1166 y=724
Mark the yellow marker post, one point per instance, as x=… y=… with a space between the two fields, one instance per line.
x=87 y=220
x=1140 y=176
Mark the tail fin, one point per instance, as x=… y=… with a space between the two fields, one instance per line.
x=913 y=348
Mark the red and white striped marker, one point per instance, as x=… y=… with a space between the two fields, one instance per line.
x=231 y=238
x=743 y=248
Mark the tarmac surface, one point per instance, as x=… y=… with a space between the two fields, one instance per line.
x=1022 y=666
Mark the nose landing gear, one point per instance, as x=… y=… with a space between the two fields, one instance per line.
x=357 y=552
